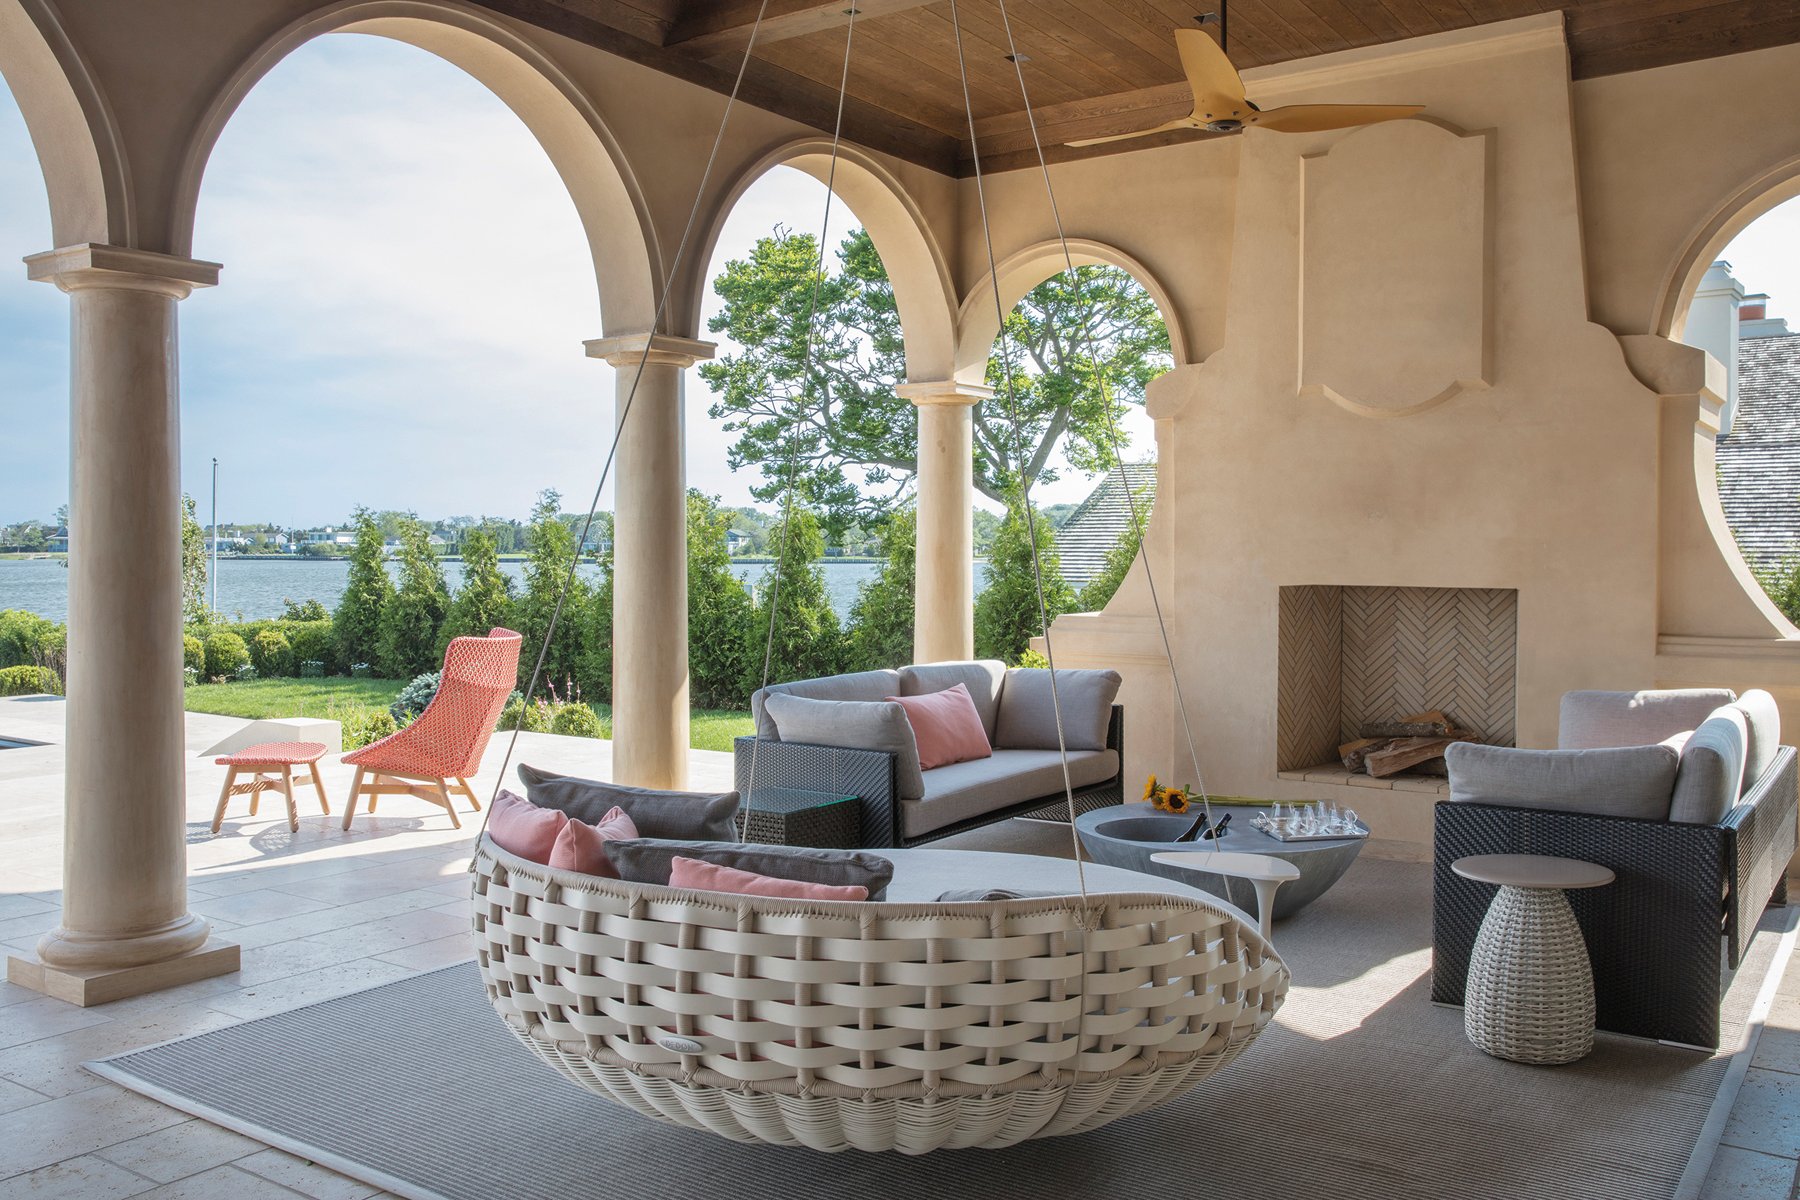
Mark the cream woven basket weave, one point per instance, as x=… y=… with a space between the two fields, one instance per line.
x=872 y=1026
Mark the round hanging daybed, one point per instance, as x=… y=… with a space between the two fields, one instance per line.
x=908 y=1026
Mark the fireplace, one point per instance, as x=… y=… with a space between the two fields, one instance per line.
x=1351 y=655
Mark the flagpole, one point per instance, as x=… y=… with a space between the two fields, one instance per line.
x=215 y=540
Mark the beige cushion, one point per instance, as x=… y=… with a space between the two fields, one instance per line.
x=1591 y=720
x=861 y=685
x=1028 y=717
x=982 y=677
x=855 y=725
x=966 y=790
x=1763 y=724
x=1711 y=776
x=1625 y=781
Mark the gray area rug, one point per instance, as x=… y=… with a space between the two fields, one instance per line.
x=1362 y=1089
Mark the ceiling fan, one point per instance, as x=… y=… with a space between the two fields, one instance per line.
x=1221 y=107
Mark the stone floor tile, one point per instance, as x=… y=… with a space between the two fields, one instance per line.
x=13 y=1095
x=1739 y=1174
x=44 y=1017
x=12 y=993
x=1778 y=1050
x=27 y=927
x=53 y=1065
x=24 y=904
x=249 y=908
x=84 y=1178
x=429 y=956
x=378 y=938
x=283 y=994
x=221 y=1183
x=76 y=1125
x=309 y=1179
x=181 y=1150
x=1766 y=1116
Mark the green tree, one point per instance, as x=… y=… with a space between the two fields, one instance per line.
x=484 y=599
x=808 y=641
x=194 y=608
x=719 y=610
x=597 y=652
x=549 y=552
x=357 y=621
x=412 y=615
x=881 y=623
x=1007 y=614
x=834 y=411
x=1119 y=558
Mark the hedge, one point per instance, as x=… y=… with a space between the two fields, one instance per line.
x=29 y=681
x=225 y=653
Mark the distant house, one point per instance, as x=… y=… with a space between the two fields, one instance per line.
x=1093 y=529
x=1759 y=460
x=328 y=536
x=735 y=541
x=58 y=542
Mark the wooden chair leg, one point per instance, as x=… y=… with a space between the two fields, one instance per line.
x=474 y=801
x=355 y=791
x=319 y=787
x=287 y=792
x=224 y=798
x=256 y=791
x=444 y=799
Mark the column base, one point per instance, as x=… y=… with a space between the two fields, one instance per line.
x=88 y=987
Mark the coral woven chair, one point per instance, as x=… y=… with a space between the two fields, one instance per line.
x=434 y=755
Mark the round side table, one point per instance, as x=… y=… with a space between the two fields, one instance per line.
x=1530 y=992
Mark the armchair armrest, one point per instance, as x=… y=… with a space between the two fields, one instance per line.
x=1764 y=822
x=866 y=774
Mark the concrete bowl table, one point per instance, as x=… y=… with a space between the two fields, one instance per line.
x=1121 y=837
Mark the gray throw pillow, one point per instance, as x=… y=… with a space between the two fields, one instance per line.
x=1028 y=717
x=1623 y=781
x=1711 y=776
x=710 y=816
x=647 y=860
x=855 y=725
x=1762 y=721
x=983 y=678
x=1591 y=720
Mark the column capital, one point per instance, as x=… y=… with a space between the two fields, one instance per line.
x=666 y=350
x=944 y=391
x=96 y=265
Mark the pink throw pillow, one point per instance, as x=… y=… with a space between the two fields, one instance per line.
x=946 y=727
x=582 y=847
x=520 y=827
x=711 y=877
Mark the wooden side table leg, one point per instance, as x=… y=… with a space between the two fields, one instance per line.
x=355 y=791
x=256 y=789
x=224 y=798
x=287 y=791
x=319 y=788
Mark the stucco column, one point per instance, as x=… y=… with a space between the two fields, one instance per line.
x=944 y=605
x=125 y=928
x=650 y=633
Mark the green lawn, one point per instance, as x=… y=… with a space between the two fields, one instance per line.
x=258 y=698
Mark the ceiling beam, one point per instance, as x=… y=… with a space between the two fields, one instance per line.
x=714 y=27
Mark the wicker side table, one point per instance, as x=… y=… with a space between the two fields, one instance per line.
x=1530 y=995
x=796 y=817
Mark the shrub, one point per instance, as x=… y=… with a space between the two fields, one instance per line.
x=225 y=653
x=32 y=681
x=365 y=725
x=408 y=629
x=808 y=641
x=28 y=640
x=193 y=654
x=550 y=551
x=271 y=653
x=303 y=610
x=190 y=674
x=361 y=670
x=533 y=719
x=572 y=719
x=357 y=621
x=415 y=696
x=312 y=641
x=244 y=674
x=880 y=633
x=312 y=668
x=1007 y=613
x=719 y=612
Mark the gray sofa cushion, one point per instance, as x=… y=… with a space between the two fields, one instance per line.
x=708 y=815
x=1028 y=717
x=1711 y=776
x=862 y=685
x=856 y=724
x=647 y=860
x=965 y=790
x=982 y=677
x=1763 y=722
x=1625 y=781
x=1591 y=720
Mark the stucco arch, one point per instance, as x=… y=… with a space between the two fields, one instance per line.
x=1734 y=213
x=71 y=128
x=621 y=237
x=978 y=324
x=915 y=264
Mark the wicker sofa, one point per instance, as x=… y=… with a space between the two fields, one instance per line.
x=1700 y=844
x=907 y=807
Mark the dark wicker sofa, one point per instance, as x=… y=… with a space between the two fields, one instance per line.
x=1665 y=936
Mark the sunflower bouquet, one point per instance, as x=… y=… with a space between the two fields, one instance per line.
x=1167 y=799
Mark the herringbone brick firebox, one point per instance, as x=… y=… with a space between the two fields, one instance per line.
x=1352 y=654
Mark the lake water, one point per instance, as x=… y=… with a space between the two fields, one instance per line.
x=254 y=588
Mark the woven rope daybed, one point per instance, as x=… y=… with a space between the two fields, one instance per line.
x=869 y=1026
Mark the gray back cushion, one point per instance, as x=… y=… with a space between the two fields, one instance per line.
x=1712 y=769
x=856 y=725
x=707 y=815
x=645 y=860
x=982 y=677
x=1626 y=781
x=1591 y=720
x=1028 y=716
x=1763 y=723
x=861 y=685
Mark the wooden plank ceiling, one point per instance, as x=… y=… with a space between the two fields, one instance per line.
x=1094 y=67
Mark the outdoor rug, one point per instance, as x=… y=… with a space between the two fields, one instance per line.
x=1360 y=1089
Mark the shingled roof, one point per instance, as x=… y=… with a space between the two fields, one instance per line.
x=1759 y=461
x=1095 y=527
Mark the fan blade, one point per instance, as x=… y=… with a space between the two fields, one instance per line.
x=1166 y=126
x=1314 y=118
x=1218 y=92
